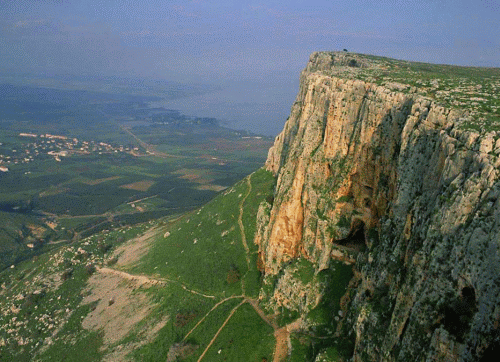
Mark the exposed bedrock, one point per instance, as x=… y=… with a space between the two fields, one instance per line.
x=362 y=164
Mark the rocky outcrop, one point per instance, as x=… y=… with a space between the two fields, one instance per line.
x=390 y=173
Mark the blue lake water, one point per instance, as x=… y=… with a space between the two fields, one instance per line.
x=258 y=108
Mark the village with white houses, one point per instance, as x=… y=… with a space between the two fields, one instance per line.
x=56 y=147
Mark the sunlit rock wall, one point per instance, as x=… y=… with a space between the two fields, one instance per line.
x=389 y=173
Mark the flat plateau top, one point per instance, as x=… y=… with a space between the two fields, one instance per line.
x=475 y=90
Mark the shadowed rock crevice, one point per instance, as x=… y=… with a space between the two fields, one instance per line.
x=492 y=352
x=356 y=238
x=392 y=161
x=459 y=312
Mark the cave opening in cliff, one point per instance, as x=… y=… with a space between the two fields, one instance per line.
x=356 y=238
x=459 y=313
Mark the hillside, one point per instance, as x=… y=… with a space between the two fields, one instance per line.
x=372 y=234
x=152 y=292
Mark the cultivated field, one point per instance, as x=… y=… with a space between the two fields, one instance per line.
x=81 y=162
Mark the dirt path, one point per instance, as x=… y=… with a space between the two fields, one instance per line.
x=282 y=335
x=143 y=280
x=220 y=329
x=240 y=221
x=242 y=230
x=255 y=304
x=59 y=242
x=131 y=252
x=140 y=280
x=194 y=291
x=281 y=348
x=210 y=311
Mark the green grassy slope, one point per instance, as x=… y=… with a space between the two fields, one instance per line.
x=202 y=300
x=203 y=252
x=194 y=283
x=470 y=89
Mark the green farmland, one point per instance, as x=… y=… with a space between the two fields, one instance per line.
x=77 y=163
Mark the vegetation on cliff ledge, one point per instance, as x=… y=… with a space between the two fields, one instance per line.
x=472 y=90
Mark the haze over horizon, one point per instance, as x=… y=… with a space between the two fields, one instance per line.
x=252 y=51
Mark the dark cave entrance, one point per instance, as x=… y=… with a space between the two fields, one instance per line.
x=357 y=236
x=459 y=313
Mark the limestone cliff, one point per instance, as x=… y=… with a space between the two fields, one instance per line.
x=382 y=169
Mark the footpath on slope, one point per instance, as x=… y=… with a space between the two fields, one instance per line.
x=220 y=329
x=281 y=334
x=146 y=281
x=242 y=230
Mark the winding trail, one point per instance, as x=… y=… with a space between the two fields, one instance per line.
x=255 y=304
x=242 y=230
x=281 y=347
x=240 y=221
x=146 y=281
x=220 y=329
x=142 y=280
x=282 y=334
x=196 y=292
x=210 y=311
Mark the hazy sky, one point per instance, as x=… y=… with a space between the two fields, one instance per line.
x=253 y=49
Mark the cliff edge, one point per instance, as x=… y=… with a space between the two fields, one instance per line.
x=380 y=167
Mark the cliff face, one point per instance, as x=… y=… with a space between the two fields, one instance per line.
x=388 y=174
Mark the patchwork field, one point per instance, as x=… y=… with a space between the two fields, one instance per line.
x=143 y=185
x=116 y=167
